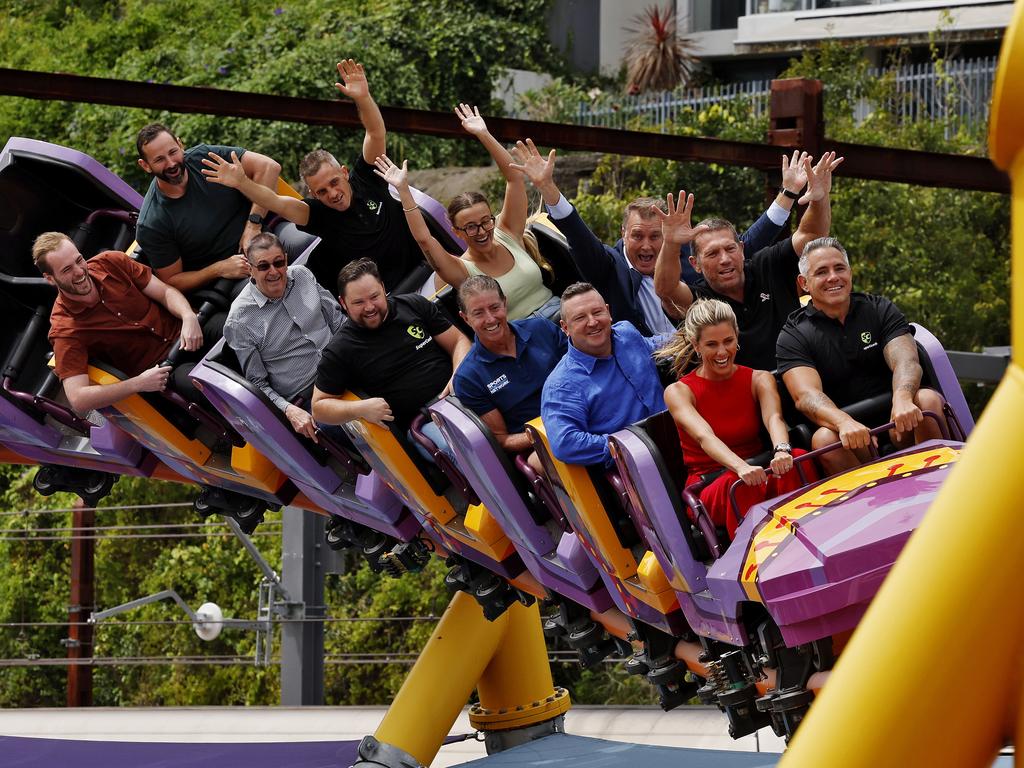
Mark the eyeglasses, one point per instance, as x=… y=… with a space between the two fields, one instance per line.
x=472 y=229
x=265 y=266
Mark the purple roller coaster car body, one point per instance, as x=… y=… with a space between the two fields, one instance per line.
x=557 y=560
x=368 y=502
x=49 y=187
x=815 y=558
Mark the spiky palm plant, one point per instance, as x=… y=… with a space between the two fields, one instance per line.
x=657 y=58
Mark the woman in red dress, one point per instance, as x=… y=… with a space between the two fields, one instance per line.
x=719 y=408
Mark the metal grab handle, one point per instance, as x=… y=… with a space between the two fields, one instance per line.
x=443 y=462
x=798 y=461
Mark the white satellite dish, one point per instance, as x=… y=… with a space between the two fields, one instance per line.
x=209 y=621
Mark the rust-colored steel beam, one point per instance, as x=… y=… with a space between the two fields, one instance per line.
x=877 y=163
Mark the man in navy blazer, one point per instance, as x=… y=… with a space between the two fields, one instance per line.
x=624 y=273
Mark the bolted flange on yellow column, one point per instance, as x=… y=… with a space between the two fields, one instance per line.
x=516 y=689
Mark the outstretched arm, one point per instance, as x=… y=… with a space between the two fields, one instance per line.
x=767 y=394
x=595 y=262
x=512 y=218
x=232 y=174
x=354 y=85
x=264 y=171
x=901 y=357
x=817 y=219
x=804 y=385
x=331 y=409
x=177 y=305
x=451 y=268
x=85 y=397
x=676 y=231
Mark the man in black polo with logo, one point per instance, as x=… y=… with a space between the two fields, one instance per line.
x=843 y=347
x=399 y=351
x=350 y=210
x=761 y=289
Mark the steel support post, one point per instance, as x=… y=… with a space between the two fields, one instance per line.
x=79 y=641
x=302 y=640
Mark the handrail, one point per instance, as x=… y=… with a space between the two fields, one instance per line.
x=799 y=461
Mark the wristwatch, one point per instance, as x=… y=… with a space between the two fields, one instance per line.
x=784 y=448
x=255 y=218
x=790 y=195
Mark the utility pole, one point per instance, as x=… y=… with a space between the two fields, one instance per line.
x=83 y=576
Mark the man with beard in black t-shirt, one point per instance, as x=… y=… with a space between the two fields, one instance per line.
x=351 y=211
x=399 y=352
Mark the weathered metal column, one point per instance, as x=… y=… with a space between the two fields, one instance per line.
x=302 y=575
x=79 y=641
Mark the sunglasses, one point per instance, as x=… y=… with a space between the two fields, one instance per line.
x=264 y=266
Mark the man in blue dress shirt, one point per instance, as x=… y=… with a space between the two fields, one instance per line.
x=606 y=381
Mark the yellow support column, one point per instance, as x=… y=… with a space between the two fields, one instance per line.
x=518 y=701
x=933 y=674
x=506 y=658
x=441 y=680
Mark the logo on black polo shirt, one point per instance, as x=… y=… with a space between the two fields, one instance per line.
x=415 y=331
x=372 y=205
x=765 y=297
x=866 y=337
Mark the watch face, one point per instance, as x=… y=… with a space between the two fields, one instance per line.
x=255 y=218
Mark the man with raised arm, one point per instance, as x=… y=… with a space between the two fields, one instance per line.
x=398 y=351
x=606 y=381
x=278 y=326
x=352 y=212
x=502 y=376
x=843 y=347
x=193 y=232
x=114 y=309
x=760 y=289
x=624 y=273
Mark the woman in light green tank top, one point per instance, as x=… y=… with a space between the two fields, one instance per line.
x=495 y=245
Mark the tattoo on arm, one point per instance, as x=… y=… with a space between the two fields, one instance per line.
x=901 y=356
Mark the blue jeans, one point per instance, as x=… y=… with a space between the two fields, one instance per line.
x=431 y=430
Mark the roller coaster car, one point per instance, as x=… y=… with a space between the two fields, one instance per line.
x=483 y=556
x=332 y=476
x=44 y=187
x=801 y=569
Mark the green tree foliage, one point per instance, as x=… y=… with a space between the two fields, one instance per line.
x=414 y=57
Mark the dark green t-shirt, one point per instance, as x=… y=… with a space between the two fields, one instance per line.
x=201 y=227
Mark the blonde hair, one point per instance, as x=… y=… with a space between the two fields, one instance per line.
x=680 y=350
x=533 y=248
x=44 y=245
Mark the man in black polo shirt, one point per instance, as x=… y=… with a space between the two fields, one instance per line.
x=351 y=211
x=843 y=347
x=399 y=351
x=761 y=289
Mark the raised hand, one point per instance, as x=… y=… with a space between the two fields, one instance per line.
x=794 y=175
x=396 y=176
x=353 y=80
x=472 y=123
x=675 y=225
x=819 y=177
x=538 y=169
x=220 y=171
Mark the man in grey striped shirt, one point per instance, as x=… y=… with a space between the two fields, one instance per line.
x=278 y=326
